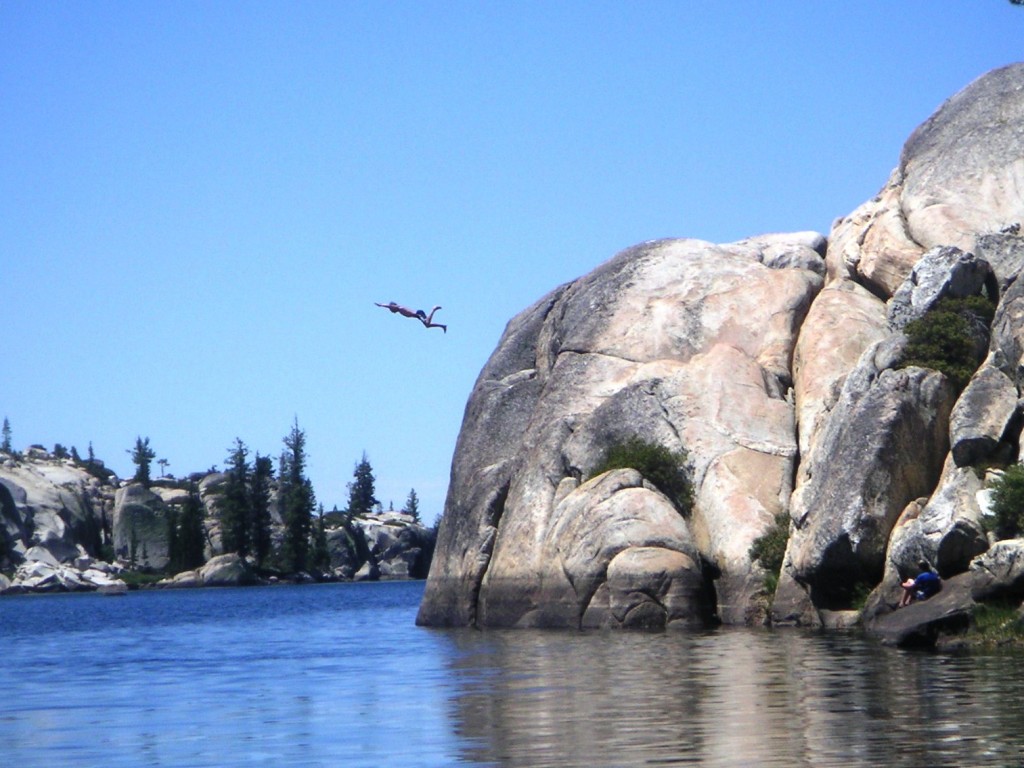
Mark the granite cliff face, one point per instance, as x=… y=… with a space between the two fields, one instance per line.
x=774 y=363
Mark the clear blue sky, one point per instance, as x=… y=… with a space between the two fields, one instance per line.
x=200 y=201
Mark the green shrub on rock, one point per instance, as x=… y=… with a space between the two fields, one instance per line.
x=947 y=338
x=662 y=467
x=770 y=549
x=1008 y=502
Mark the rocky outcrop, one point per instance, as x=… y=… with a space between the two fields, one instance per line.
x=997 y=575
x=52 y=504
x=380 y=546
x=41 y=572
x=67 y=525
x=883 y=446
x=781 y=375
x=681 y=341
x=140 y=527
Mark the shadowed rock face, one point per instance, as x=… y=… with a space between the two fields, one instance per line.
x=779 y=373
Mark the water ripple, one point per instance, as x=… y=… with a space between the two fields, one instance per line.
x=338 y=675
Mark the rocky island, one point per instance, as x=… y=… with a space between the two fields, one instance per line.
x=782 y=366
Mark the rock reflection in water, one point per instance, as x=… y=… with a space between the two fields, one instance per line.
x=726 y=698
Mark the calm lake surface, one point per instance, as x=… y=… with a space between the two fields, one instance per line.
x=339 y=675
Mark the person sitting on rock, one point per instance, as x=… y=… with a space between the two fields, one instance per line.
x=926 y=584
x=419 y=314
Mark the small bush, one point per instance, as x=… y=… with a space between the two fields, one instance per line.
x=943 y=339
x=663 y=468
x=1008 y=502
x=770 y=547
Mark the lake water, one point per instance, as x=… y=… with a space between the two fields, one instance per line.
x=339 y=675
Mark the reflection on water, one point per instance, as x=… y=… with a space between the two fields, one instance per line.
x=339 y=675
x=727 y=698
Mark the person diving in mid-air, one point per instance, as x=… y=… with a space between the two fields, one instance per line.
x=419 y=314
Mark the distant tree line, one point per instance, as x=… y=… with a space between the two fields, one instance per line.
x=244 y=504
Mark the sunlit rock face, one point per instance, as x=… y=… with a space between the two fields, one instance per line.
x=686 y=343
x=779 y=373
x=49 y=505
x=947 y=224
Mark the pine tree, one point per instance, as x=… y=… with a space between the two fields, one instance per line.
x=191 y=535
x=297 y=500
x=141 y=455
x=361 y=500
x=5 y=444
x=412 y=505
x=320 y=555
x=259 y=505
x=173 y=546
x=235 y=512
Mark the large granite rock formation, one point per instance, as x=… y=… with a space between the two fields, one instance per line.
x=680 y=341
x=775 y=363
x=51 y=505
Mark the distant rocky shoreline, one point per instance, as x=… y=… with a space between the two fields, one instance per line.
x=72 y=526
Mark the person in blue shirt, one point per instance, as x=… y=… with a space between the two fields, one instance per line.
x=926 y=584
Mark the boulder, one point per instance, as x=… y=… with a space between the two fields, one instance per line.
x=592 y=527
x=980 y=424
x=883 y=446
x=1007 y=336
x=140 y=527
x=871 y=246
x=226 y=571
x=948 y=532
x=367 y=572
x=943 y=272
x=999 y=573
x=1004 y=251
x=185 y=579
x=844 y=320
x=682 y=342
x=52 y=503
x=921 y=624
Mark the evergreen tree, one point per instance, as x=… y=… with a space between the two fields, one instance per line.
x=259 y=505
x=361 y=500
x=173 y=548
x=5 y=444
x=320 y=555
x=412 y=505
x=191 y=539
x=297 y=500
x=235 y=512
x=142 y=455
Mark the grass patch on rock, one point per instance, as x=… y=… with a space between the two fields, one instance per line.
x=996 y=624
